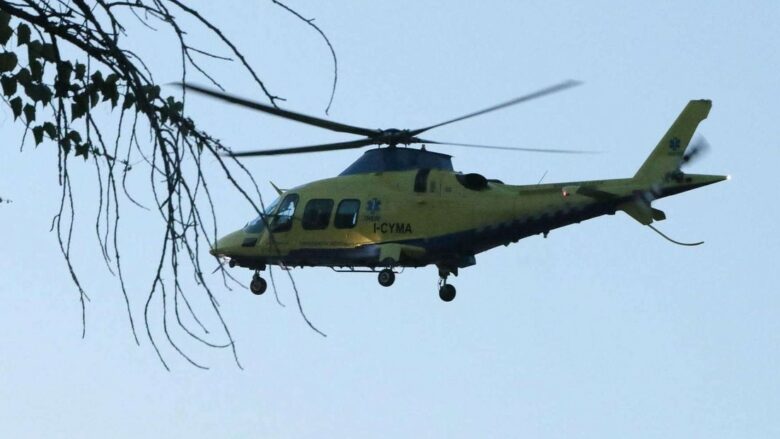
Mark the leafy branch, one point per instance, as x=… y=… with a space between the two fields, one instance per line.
x=60 y=60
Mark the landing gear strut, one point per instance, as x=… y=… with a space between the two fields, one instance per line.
x=258 y=284
x=446 y=291
x=386 y=277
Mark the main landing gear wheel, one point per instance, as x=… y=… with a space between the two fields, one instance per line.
x=258 y=285
x=447 y=292
x=386 y=277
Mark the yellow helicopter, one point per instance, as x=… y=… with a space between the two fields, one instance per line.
x=403 y=207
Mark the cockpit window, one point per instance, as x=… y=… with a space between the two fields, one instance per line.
x=257 y=225
x=283 y=219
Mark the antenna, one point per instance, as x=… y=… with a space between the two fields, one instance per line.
x=687 y=244
x=540 y=180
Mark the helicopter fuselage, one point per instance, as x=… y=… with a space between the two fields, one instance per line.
x=427 y=216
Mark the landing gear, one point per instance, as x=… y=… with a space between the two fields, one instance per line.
x=258 y=284
x=446 y=291
x=386 y=277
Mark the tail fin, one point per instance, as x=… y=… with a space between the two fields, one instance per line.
x=668 y=155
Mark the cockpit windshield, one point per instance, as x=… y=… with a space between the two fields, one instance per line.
x=257 y=225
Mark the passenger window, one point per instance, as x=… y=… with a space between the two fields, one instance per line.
x=316 y=216
x=283 y=219
x=347 y=214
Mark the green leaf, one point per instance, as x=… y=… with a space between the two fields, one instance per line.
x=64 y=71
x=152 y=92
x=34 y=50
x=109 y=87
x=36 y=70
x=109 y=90
x=22 y=34
x=97 y=78
x=82 y=149
x=80 y=106
x=81 y=70
x=65 y=145
x=16 y=106
x=9 y=85
x=129 y=101
x=50 y=130
x=163 y=114
x=5 y=29
x=23 y=77
x=74 y=136
x=94 y=96
x=8 y=61
x=29 y=113
x=38 y=134
x=62 y=81
x=49 y=52
x=39 y=93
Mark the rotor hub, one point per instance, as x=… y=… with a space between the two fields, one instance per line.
x=394 y=136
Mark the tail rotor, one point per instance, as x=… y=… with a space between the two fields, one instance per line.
x=696 y=150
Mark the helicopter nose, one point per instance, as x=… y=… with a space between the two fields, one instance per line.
x=214 y=250
x=226 y=245
x=219 y=247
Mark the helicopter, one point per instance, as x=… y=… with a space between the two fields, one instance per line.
x=398 y=207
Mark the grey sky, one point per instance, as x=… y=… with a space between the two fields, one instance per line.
x=601 y=330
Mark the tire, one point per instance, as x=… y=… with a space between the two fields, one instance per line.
x=447 y=292
x=258 y=286
x=386 y=277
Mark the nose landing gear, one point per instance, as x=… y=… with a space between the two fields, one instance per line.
x=258 y=284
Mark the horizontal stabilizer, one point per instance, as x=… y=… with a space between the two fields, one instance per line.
x=642 y=212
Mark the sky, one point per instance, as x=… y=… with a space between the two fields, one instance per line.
x=600 y=330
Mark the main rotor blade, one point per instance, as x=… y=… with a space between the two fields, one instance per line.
x=305 y=149
x=511 y=148
x=287 y=114
x=537 y=94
